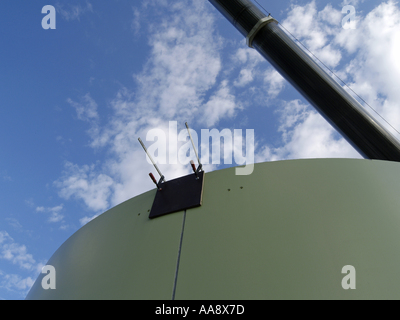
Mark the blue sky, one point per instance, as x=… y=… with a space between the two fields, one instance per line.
x=75 y=99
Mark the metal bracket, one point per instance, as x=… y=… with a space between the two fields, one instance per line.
x=261 y=23
x=179 y=194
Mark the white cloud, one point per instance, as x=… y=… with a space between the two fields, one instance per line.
x=305 y=134
x=86 y=220
x=55 y=215
x=14 y=223
x=18 y=255
x=330 y=15
x=248 y=59
x=14 y=282
x=351 y=2
x=85 y=184
x=221 y=104
x=136 y=20
x=274 y=83
x=248 y=56
x=87 y=109
x=245 y=77
x=316 y=30
x=73 y=12
x=375 y=67
x=4 y=236
x=15 y=253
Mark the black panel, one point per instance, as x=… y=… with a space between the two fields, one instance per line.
x=178 y=195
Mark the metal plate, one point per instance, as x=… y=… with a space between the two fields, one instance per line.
x=177 y=195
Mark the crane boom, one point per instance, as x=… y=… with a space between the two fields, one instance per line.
x=338 y=107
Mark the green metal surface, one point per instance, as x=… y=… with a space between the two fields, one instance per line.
x=284 y=232
x=118 y=255
x=291 y=229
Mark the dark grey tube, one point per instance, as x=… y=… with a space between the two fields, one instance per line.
x=339 y=108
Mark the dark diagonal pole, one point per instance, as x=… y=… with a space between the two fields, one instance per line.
x=338 y=107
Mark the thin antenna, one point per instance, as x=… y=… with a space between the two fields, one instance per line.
x=154 y=164
x=194 y=148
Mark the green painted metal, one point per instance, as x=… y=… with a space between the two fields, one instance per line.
x=119 y=255
x=283 y=232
